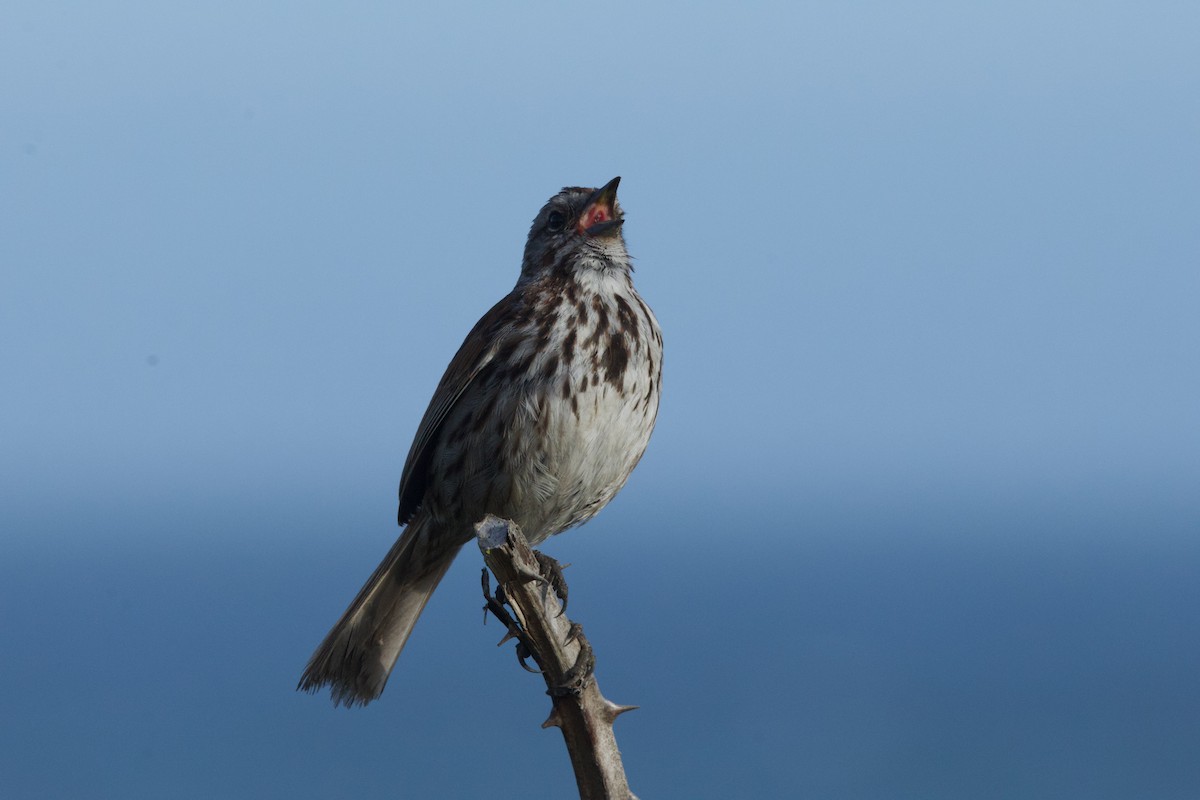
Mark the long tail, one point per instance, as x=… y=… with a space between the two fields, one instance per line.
x=359 y=653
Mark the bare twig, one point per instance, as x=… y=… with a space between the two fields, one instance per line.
x=558 y=646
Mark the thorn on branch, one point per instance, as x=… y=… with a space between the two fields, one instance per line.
x=612 y=710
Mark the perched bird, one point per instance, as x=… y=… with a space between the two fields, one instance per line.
x=540 y=418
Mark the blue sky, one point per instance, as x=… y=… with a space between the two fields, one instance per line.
x=928 y=278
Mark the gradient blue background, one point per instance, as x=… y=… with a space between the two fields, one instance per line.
x=920 y=516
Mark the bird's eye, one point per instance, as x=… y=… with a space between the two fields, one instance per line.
x=556 y=221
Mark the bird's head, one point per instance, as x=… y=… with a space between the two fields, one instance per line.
x=577 y=229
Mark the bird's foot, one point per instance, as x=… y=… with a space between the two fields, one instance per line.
x=512 y=629
x=574 y=679
x=552 y=573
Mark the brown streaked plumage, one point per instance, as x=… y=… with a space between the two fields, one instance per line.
x=540 y=418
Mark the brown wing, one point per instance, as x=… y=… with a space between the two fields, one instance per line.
x=477 y=350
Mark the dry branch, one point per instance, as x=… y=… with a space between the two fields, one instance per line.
x=563 y=654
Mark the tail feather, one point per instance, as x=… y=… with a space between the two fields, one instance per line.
x=359 y=652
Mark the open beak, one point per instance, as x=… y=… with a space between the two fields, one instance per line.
x=600 y=214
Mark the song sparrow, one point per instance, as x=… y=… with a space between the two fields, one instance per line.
x=541 y=416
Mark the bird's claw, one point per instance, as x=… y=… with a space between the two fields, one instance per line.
x=522 y=654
